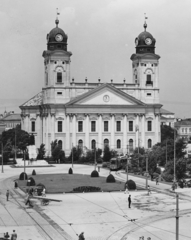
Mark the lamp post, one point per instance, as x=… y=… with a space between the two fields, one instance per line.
x=15 y=145
x=24 y=165
x=166 y=151
x=72 y=155
x=2 y=170
x=127 y=160
x=95 y=157
x=137 y=130
x=174 y=154
x=146 y=170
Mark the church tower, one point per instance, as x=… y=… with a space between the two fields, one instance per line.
x=145 y=65
x=56 y=67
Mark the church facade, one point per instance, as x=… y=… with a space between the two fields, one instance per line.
x=122 y=115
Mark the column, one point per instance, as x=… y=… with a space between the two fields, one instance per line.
x=156 y=129
x=67 y=140
x=38 y=130
x=74 y=130
x=143 y=131
x=137 y=131
x=87 y=144
x=47 y=130
x=125 y=134
x=52 y=127
x=28 y=123
x=43 y=129
x=100 y=142
x=113 y=145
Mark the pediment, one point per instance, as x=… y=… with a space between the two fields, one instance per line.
x=105 y=95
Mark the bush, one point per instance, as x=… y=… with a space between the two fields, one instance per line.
x=31 y=182
x=131 y=185
x=110 y=179
x=167 y=177
x=70 y=171
x=33 y=172
x=40 y=188
x=94 y=174
x=87 y=189
x=21 y=177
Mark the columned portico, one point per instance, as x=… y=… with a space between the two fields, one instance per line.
x=67 y=140
x=125 y=134
x=113 y=145
x=87 y=143
x=137 y=130
x=143 y=130
x=74 y=130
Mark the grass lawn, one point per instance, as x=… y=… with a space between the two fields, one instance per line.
x=59 y=183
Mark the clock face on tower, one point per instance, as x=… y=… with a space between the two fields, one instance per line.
x=148 y=41
x=58 y=37
x=136 y=41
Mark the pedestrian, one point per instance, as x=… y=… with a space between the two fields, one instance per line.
x=14 y=235
x=16 y=184
x=28 y=201
x=157 y=181
x=149 y=190
x=44 y=192
x=6 y=235
x=7 y=195
x=126 y=188
x=81 y=236
x=129 y=200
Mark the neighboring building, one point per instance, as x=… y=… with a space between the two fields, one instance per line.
x=167 y=118
x=123 y=115
x=9 y=120
x=184 y=129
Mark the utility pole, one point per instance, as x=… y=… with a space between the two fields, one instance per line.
x=147 y=171
x=174 y=156
x=2 y=157
x=95 y=157
x=24 y=166
x=72 y=155
x=177 y=217
x=127 y=161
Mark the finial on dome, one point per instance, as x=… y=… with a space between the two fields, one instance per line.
x=57 y=21
x=145 y=24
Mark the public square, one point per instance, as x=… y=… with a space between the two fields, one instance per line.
x=100 y=215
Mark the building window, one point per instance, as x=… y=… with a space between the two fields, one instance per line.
x=149 y=94
x=149 y=126
x=149 y=143
x=183 y=130
x=189 y=129
x=59 y=126
x=93 y=126
x=130 y=145
x=80 y=126
x=60 y=144
x=106 y=142
x=93 y=144
x=130 y=126
x=149 y=79
x=59 y=77
x=80 y=143
x=118 y=126
x=33 y=126
x=59 y=93
x=118 y=143
x=46 y=78
x=106 y=128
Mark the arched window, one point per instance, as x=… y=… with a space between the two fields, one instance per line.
x=130 y=145
x=149 y=143
x=80 y=143
x=118 y=143
x=106 y=142
x=60 y=143
x=93 y=144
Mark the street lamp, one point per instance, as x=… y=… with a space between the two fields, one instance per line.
x=174 y=154
x=127 y=161
x=137 y=130
x=2 y=157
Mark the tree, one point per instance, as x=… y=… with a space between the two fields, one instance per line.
x=57 y=152
x=107 y=154
x=76 y=152
x=166 y=133
x=41 y=151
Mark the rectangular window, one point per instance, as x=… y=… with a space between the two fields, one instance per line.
x=80 y=126
x=149 y=94
x=118 y=126
x=149 y=126
x=182 y=129
x=33 y=126
x=185 y=130
x=93 y=126
x=59 y=93
x=59 y=77
x=106 y=128
x=149 y=79
x=130 y=126
x=59 y=126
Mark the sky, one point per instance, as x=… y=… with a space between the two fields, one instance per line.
x=101 y=35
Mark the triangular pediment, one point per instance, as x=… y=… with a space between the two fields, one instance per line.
x=106 y=94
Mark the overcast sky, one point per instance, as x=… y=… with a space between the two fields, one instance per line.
x=101 y=36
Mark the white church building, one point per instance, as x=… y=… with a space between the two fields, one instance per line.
x=122 y=115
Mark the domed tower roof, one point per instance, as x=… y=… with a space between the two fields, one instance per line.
x=57 y=39
x=145 y=42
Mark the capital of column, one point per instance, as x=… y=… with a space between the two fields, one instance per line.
x=52 y=114
x=136 y=114
x=86 y=115
x=124 y=114
x=157 y=114
x=100 y=115
x=112 y=115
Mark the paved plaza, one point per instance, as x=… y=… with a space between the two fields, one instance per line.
x=100 y=216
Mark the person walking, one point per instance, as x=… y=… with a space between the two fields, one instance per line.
x=126 y=188
x=16 y=184
x=14 y=235
x=129 y=200
x=157 y=181
x=7 y=195
x=81 y=236
x=6 y=235
x=28 y=201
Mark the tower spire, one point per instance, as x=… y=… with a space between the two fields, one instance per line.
x=145 y=24
x=57 y=21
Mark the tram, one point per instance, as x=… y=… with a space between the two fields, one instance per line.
x=118 y=163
